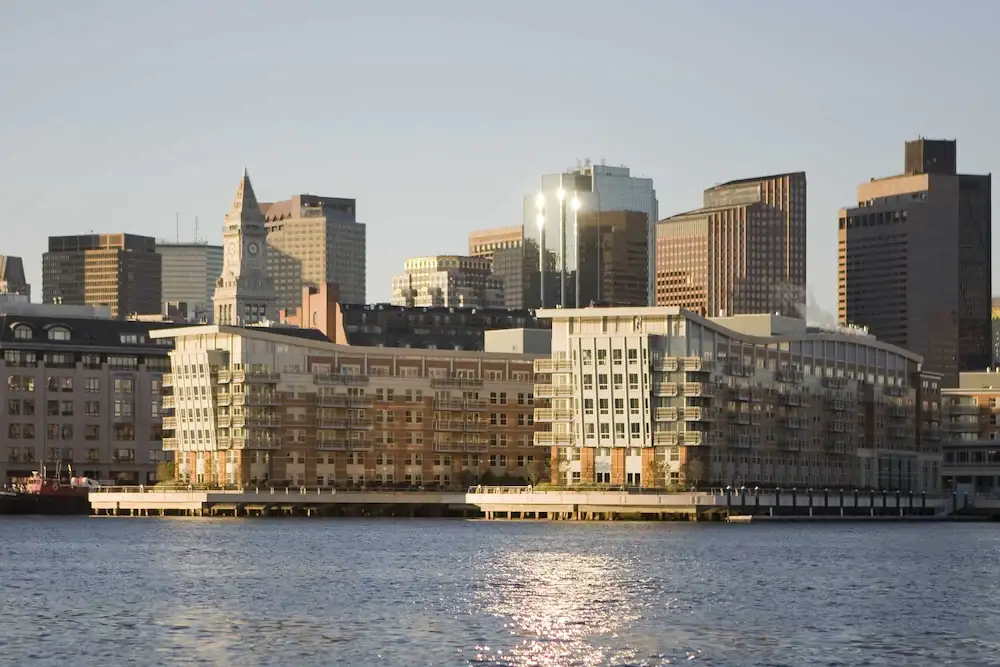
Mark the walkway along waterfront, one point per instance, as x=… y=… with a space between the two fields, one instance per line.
x=506 y=502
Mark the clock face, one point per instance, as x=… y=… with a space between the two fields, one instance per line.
x=231 y=250
x=253 y=248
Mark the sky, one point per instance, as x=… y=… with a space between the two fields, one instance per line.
x=438 y=116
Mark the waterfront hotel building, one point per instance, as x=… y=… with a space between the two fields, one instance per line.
x=654 y=396
x=80 y=392
x=256 y=406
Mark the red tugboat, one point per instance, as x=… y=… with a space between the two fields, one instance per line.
x=41 y=494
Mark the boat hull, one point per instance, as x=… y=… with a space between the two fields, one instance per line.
x=44 y=504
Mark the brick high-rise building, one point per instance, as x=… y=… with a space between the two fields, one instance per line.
x=914 y=260
x=485 y=242
x=743 y=252
x=121 y=271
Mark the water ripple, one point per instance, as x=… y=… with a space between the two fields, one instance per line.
x=387 y=592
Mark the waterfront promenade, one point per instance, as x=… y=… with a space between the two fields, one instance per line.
x=508 y=502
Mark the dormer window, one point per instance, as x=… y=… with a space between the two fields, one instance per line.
x=59 y=333
x=23 y=332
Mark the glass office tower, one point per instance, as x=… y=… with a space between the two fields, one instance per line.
x=598 y=188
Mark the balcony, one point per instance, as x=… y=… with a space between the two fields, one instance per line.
x=789 y=375
x=336 y=423
x=699 y=389
x=660 y=415
x=442 y=383
x=693 y=438
x=223 y=421
x=900 y=432
x=449 y=425
x=795 y=423
x=332 y=400
x=700 y=414
x=665 y=389
x=553 y=390
x=894 y=390
x=837 y=404
x=272 y=421
x=332 y=445
x=835 y=382
x=223 y=399
x=460 y=447
x=739 y=369
x=261 y=398
x=696 y=365
x=897 y=411
x=169 y=444
x=963 y=425
x=361 y=401
x=550 y=439
x=741 y=441
x=553 y=365
x=361 y=424
x=449 y=404
x=254 y=376
x=224 y=376
x=838 y=426
x=545 y=415
x=739 y=417
x=248 y=442
x=168 y=379
x=169 y=422
x=361 y=445
x=169 y=402
x=668 y=438
x=665 y=364
x=792 y=398
x=963 y=409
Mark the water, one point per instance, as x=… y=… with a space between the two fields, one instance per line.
x=303 y=593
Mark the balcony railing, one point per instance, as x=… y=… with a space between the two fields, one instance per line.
x=169 y=402
x=696 y=364
x=553 y=390
x=337 y=423
x=668 y=438
x=665 y=364
x=660 y=414
x=553 y=365
x=254 y=376
x=700 y=414
x=456 y=382
x=169 y=444
x=449 y=425
x=553 y=415
x=693 y=438
x=548 y=438
x=168 y=379
x=249 y=442
x=169 y=422
x=332 y=445
x=665 y=389
x=699 y=389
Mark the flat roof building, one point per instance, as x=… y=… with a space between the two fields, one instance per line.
x=262 y=407
x=743 y=252
x=662 y=396
x=190 y=271
x=913 y=260
x=121 y=271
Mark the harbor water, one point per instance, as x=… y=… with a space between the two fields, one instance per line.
x=318 y=592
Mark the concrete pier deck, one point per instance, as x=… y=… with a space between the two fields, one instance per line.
x=511 y=503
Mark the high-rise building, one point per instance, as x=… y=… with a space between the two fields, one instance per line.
x=598 y=188
x=485 y=242
x=244 y=293
x=12 y=280
x=743 y=252
x=312 y=241
x=613 y=258
x=914 y=260
x=447 y=281
x=121 y=271
x=190 y=271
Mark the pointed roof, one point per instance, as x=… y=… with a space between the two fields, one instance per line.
x=245 y=202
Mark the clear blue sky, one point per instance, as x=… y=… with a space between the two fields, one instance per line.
x=439 y=115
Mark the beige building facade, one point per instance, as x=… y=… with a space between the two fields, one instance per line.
x=258 y=407
x=485 y=242
x=315 y=240
x=447 y=281
x=659 y=396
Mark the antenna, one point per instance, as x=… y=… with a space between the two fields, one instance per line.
x=195 y=229
x=177 y=226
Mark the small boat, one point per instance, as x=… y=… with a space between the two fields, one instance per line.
x=41 y=484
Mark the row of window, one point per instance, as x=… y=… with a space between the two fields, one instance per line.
x=119 y=432
x=90 y=385
x=53 y=408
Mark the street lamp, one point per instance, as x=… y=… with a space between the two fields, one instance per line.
x=575 y=205
x=540 y=221
x=561 y=196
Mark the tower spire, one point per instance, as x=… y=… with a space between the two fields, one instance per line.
x=245 y=201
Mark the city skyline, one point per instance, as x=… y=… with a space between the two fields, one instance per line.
x=156 y=158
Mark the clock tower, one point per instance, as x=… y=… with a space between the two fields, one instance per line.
x=244 y=294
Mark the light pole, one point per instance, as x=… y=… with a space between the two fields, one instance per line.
x=575 y=204
x=561 y=195
x=540 y=220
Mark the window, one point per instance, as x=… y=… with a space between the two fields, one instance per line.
x=154 y=386
x=633 y=356
x=633 y=406
x=602 y=405
x=59 y=333
x=123 y=385
x=123 y=408
x=619 y=406
x=92 y=432
x=22 y=332
x=92 y=408
x=616 y=356
x=14 y=406
x=92 y=385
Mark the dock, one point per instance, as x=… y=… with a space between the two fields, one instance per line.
x=520 y=503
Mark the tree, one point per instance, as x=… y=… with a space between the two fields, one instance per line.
x=164 y=472
x=694 y=471
x=539 y=472
x=660 y=470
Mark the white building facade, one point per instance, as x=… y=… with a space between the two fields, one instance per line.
x=661 y=396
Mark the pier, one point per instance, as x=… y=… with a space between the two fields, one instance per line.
x=524 y=502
